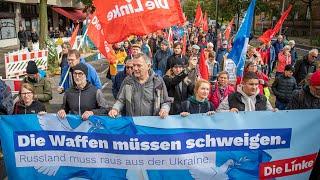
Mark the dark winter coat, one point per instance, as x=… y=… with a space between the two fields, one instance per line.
x=303 y=99
x=23 y=36
x=294 y=55
x=235 y=101
x=303 y=68
x=116 y=84
x=283 y=87
x=160 y=60
x=178 y=89
x=76 y=101
x=278 y=46
x=195 y=107
x=34 y=108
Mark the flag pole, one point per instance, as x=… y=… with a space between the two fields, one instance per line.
x=80 y=44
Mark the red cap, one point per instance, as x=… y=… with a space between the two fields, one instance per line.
x=315 y=79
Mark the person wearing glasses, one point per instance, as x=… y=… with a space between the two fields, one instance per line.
x=41 y=86
x=128 y=70
x=73 y=60
x=27 y=103
x=306 y=65
x=83 y=98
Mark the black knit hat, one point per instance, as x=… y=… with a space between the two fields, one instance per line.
x=32 y=68
x=81 y=67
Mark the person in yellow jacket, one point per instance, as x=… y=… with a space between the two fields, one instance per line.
x=121 y=55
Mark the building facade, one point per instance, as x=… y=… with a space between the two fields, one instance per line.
x=25 y=13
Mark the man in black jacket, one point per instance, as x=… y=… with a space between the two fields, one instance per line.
x=23 y=38
x=283 y=86
x=83 y=99
x=305 y=66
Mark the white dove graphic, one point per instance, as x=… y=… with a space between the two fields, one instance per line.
x=217 y=173
x=50 y=122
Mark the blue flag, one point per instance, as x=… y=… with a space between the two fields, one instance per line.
x=240 y=44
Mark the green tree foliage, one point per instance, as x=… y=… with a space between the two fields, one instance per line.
x=226 y=8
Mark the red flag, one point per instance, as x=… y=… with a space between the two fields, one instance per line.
x=74 y=36
x=96 y=35
x=121 y=19
x=268 y=35
x=203 y=67
x=198 y=18
x=227 y=32
x=184 y=44
x=205 y=22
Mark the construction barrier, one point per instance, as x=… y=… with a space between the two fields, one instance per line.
x=16 y=62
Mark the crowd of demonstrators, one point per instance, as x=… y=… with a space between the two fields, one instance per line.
x=267 y=53
x=83 y=99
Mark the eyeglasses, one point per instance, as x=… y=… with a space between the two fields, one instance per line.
x=26 y=93
x=129 y=67
x=314 y=57
x=78 y=74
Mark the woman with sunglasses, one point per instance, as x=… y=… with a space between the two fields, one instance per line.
x=27 y=103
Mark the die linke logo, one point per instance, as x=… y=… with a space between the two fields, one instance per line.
x=136 y=6
x=287 y=167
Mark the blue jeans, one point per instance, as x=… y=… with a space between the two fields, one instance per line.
x=281 y=105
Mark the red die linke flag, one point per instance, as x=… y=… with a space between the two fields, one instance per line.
x=227 y=32
x=203 y=67
x=121 y=19
x=269 y=34
x=97 y=36
x=205 y=22
x=74 y=36
x=198 y=18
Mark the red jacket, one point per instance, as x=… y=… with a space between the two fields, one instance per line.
x=216 y=97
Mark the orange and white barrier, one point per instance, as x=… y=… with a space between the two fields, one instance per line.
x=16 y=62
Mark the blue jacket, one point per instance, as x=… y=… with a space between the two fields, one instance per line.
x=92 y=77
x=277 y=47
x=221 y=52
x=116 y=83
x=160 y=61
x=272 y=55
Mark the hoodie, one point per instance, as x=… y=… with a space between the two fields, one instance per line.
x=243 y=102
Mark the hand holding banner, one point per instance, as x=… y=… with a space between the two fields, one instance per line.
x=121 y=19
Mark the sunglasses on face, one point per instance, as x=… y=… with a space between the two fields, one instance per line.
x=129 y=67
